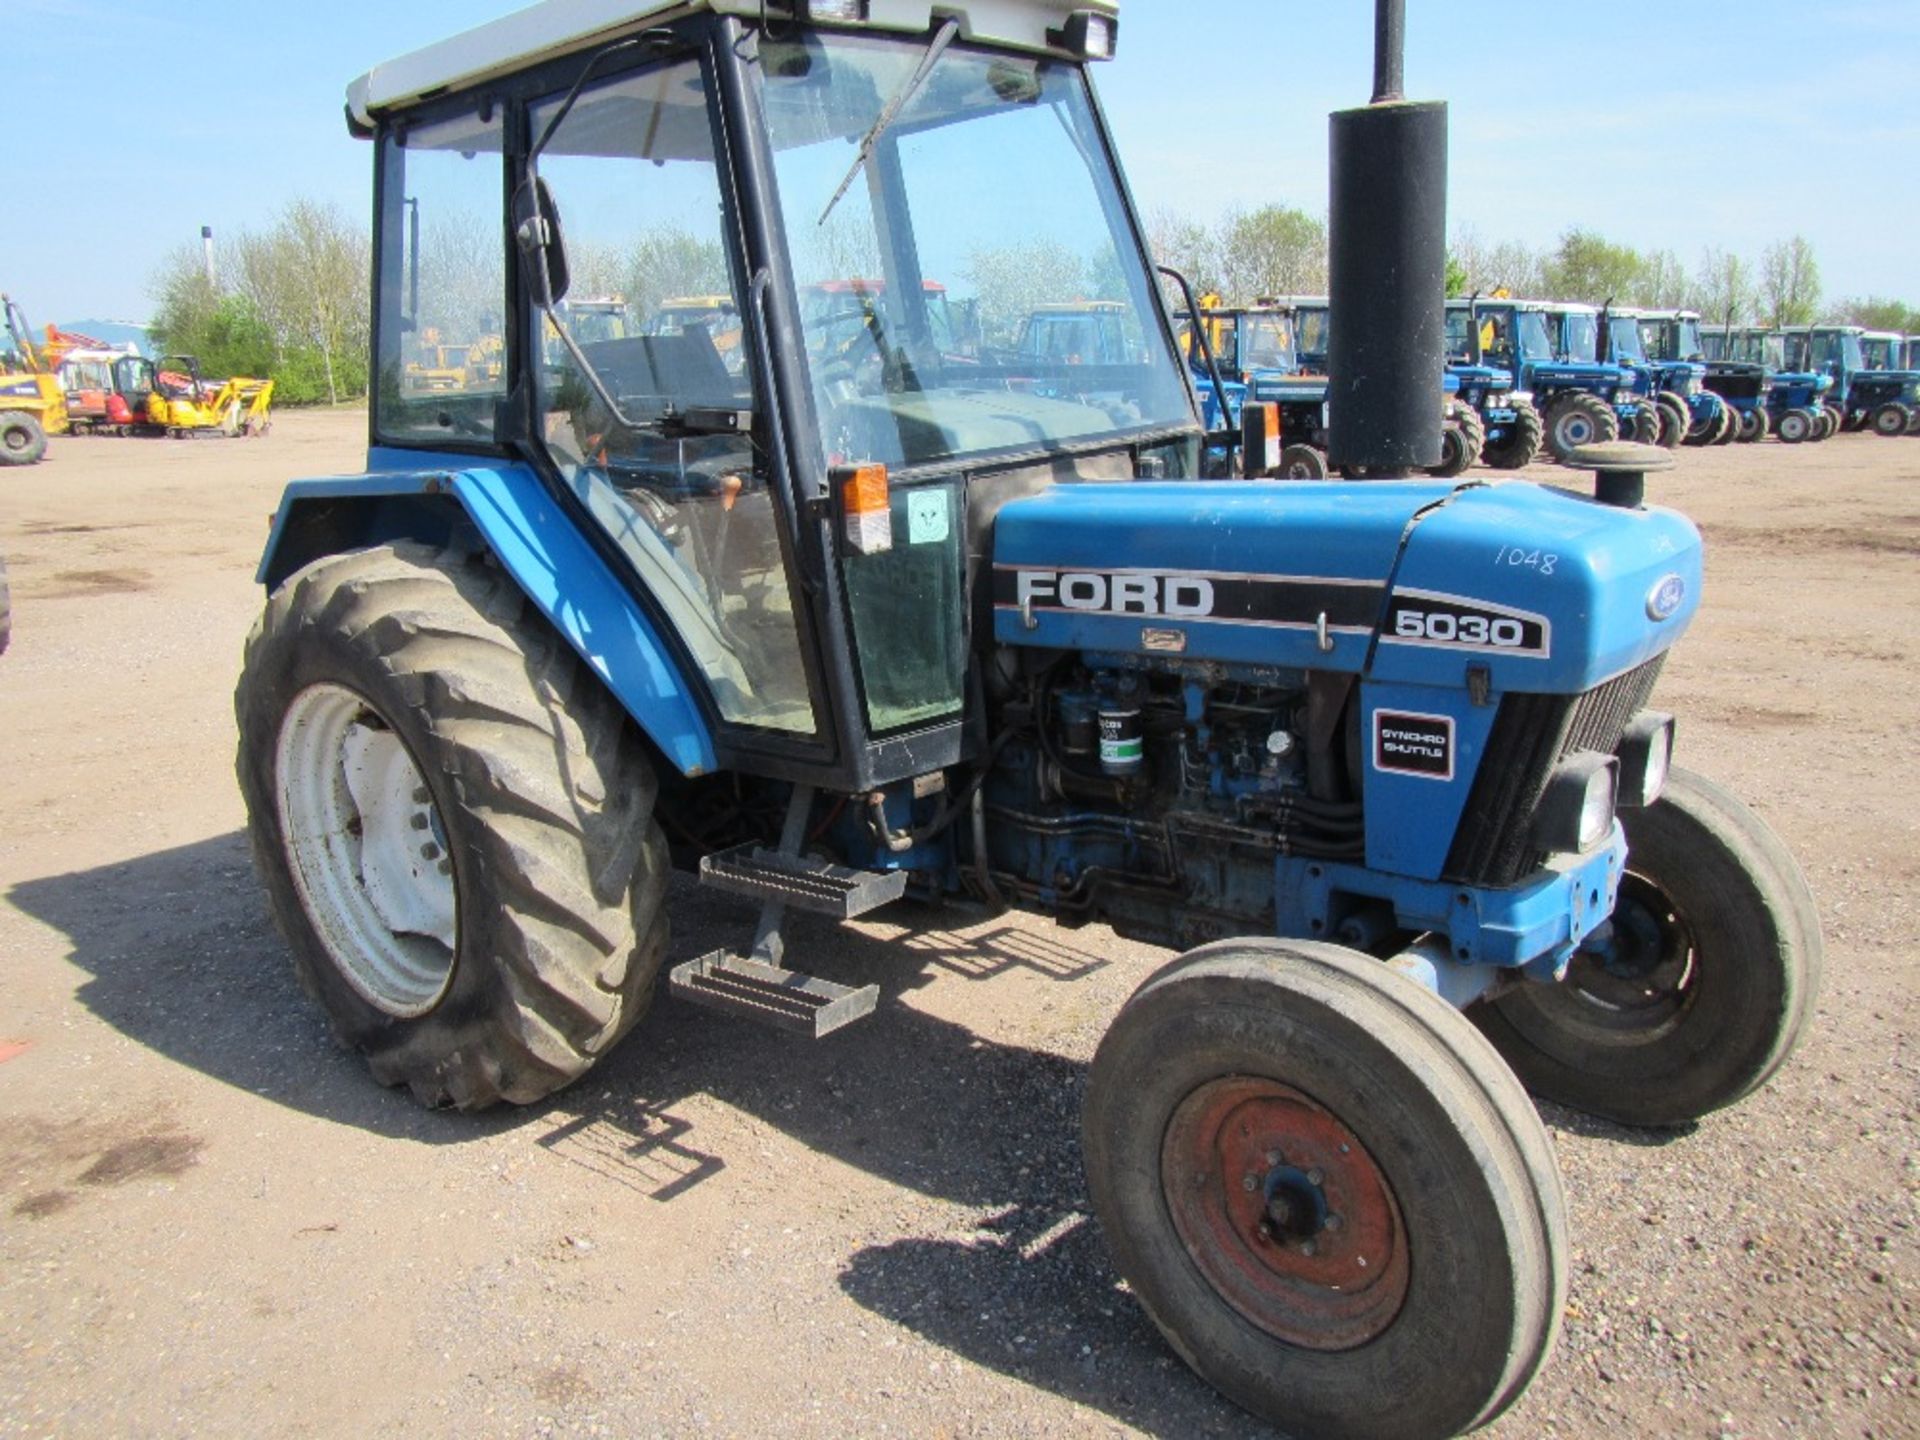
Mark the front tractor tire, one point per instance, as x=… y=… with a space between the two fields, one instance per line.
x=1701 y=990
x=453 y=821
x=1578 y=419
x=1675 y=416
x=1649 y=425
x=1461 y=437
x=1519 y=446
x=1328 y=1193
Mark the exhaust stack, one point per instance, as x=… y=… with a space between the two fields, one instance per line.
x=1387 y=224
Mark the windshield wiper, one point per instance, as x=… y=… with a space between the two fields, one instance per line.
x=942 y=38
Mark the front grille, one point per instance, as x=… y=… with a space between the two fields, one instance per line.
x=1532 y=734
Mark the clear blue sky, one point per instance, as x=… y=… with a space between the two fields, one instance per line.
x=1722 y=122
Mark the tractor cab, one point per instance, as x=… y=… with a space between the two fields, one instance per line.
x=1662 y=350
x=1881 y=350
x=1243 y=339
x=787 y=501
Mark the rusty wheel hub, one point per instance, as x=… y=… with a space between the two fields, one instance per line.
x=1285 y=1213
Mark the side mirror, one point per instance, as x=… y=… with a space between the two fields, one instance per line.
x=536 y=229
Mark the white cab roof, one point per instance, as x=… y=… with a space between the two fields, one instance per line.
x=554 y=28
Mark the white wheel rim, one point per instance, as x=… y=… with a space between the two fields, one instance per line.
x=366 y=849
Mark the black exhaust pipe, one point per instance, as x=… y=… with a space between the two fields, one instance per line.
x=1387 y=273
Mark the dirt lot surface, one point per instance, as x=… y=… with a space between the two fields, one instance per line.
x=214 y=1223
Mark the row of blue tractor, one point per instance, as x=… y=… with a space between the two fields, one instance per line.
x=1860 y=379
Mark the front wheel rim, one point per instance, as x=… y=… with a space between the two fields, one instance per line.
x=1285 y=1213
x=367 y=850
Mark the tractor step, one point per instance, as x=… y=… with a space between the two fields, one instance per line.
x=801 y=881
x=785 y=999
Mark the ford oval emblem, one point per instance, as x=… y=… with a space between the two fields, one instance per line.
x=1666 y=597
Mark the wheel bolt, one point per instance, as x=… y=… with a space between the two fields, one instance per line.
x=429 y=851
x=1307 y=1247
x=418 y=820
x=446 y=867
x=1314 y=1177
x=1273 y=1157
x=1265 y=1233
x=1333 y=1222
x=1251 y=1182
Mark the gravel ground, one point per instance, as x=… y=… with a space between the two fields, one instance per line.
x=212 y=1222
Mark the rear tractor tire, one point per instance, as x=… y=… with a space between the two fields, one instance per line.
x=1326 y=1191
x=1729 y=430
x=1520 y=446
x=1579 y=419
x=1890 y=418
x=1674 y=417
x=1753 y=425
x=1706 y=430
x=454 y=823
x=1460 y=440
x=1702 y=985
x=22 y=441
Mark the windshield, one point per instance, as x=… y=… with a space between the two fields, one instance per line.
x=1579 y=335
x=1876 y=353
x=1266 y=343
x=1625 y=335
x=1008 y=305
x=1312 y=334
x=1687 y=338
x=1534 y=344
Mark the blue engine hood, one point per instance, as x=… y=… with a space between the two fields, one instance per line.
x=1408 y=581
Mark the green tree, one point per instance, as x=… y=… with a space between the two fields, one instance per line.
x=1457 y=276
x=1790 y=282
x=1275 y=250
x=1723 y=290
x=1879 y=314
x=1586 y=266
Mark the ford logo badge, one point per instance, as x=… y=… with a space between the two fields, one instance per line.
x=1666 y=597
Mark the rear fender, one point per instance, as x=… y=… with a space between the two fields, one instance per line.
x=537 y=543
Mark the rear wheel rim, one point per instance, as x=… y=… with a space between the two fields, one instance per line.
x=367 y=850
x=1285 y=1213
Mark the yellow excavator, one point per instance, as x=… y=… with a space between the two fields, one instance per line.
x=181 y=403
x=32 y=404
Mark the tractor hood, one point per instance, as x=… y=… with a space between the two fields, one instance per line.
x=1409 y=581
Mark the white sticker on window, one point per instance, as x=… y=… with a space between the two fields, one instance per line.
x=927 y=516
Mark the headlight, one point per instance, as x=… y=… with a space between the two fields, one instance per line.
x=1576 y=810
x=1693 y=385
x=1520 y=397
x=1646 y=757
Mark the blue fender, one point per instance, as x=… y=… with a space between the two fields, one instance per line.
x=537 y=543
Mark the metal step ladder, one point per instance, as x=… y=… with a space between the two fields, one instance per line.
x=755 y=984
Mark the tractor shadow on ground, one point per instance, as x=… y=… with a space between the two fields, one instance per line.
x=179 y=955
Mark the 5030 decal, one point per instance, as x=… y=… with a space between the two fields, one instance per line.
x=1422 y=617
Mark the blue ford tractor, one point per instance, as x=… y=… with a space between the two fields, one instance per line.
x=1484 y=421
x=1653 y=345
x=1242 y=352
x=1511 y=432
x=857 y=620
x=1672 y=343
x=1577 y=400
x=1749 y=368
x=1882 y=400
x=1885 y=353
x=1657 y=412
